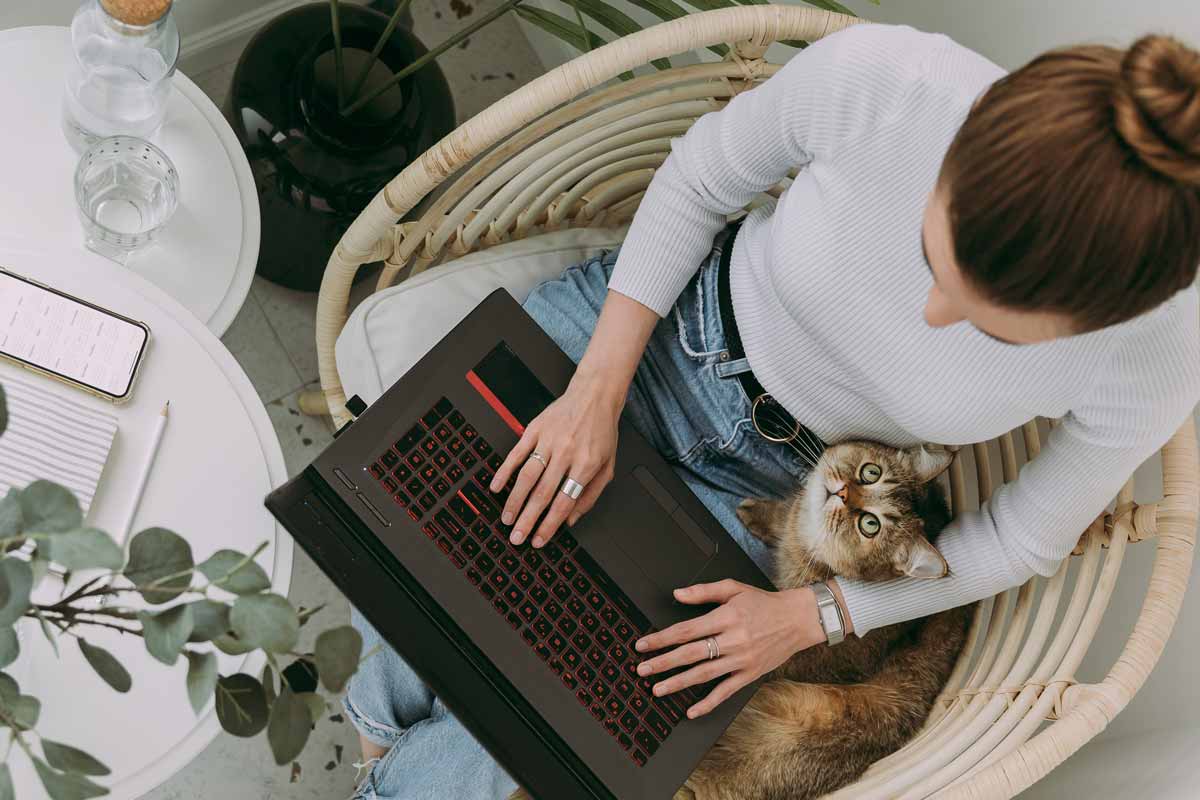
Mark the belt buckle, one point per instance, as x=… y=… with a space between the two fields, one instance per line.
x=765 y=401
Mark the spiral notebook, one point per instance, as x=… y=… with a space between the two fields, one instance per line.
x=52 y=436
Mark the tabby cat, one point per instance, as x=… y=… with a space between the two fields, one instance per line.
x=868 y=512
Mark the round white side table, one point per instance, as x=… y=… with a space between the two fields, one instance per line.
x=207 y=256
x=218 y=459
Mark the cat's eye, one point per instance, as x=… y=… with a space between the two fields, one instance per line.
x=868 y=524
x=869 y=473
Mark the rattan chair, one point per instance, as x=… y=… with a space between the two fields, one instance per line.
x=574 y=148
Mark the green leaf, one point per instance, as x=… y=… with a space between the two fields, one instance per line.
x=167 y=631
x=336 y=655
x=831 y=5
x=85 y=548
x=49 y=508
x=557 y=26
x=49 y=634
x=9 y=690
x=72 y=759
x=106 y=666
x=17 y=579
x=268 y=681
x=290 y=724
x=201 y=678
x=61 y=786
x=230 y=645
x=241 y=705
x=222 y=568
x=265 y=620
x=10 y=646
x=40 y=567
x=667 y=10
x=616 y=21
x=6 y=785
x=12 y=519
x=155 y=554
x=316 y=705
x=25 y=712
x=210 y=620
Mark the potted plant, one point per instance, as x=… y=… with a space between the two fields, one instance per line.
x=184 y=610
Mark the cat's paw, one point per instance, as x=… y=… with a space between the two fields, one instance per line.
x=756 y=515
x=746 y=509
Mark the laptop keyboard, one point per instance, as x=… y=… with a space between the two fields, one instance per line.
x=556 y=599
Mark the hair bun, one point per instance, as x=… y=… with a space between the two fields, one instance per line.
x=1157 y=106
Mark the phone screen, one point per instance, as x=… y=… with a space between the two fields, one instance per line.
x=68 y=337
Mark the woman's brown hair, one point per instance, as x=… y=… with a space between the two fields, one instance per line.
x=1074 y=184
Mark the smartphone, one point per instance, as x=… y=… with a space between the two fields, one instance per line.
x=72 y=340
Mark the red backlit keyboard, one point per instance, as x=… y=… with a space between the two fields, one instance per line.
x=557 y=599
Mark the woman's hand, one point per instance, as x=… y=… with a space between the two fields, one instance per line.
x=575 y=437
x=755 y=632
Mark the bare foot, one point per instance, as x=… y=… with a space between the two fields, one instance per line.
x=370 y=750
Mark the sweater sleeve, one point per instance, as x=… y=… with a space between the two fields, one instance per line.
x=1030 y=525
x=827 y=94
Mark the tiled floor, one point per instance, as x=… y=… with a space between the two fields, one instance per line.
x=273 y=339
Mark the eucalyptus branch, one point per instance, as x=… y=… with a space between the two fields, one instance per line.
x=16 y=734
x=380 y=43
x=65 y=623
x=491 y=17
x=82 y=590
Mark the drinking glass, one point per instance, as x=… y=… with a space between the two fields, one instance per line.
x=126 y=190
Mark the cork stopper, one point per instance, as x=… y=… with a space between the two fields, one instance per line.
x=137 y=12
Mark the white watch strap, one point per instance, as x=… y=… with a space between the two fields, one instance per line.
x=829 y=613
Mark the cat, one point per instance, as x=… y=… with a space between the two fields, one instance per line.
x=870 y=512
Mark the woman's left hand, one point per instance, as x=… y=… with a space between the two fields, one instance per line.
x=755 y=632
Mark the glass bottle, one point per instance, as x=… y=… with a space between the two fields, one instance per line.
x=123 y=54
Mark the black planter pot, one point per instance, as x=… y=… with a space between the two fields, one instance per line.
x=315 y=169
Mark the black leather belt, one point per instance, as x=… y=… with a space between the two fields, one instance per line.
x=733 y=344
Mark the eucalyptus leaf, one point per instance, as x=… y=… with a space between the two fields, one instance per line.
x=46 y=632
x=72 y=759
x=6 y=785
x=154 y=555
x=241 y=705
x=10 y=646
x=230 y=645
x=210 y=620
x=316 y=705
x=201 y=678
x=9 y=690
x=166 y=632
x=268 y=681
x=17 y=577
x=301 y=675
x=49 y=508
x=106 y=666
x=265 y=620
x=26 y=711
x=290 y=724
x=40 y=567
x=225 y=568
x=64 y=786
x=12 y=518
x=336 y=654
x=85 y=548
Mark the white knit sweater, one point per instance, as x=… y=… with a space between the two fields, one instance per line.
x=828 y=290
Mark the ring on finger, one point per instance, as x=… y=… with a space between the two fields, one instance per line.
x=538 y=457
x=714 y=649
x=572 y=488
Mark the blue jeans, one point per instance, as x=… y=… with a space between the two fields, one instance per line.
x=687 y=401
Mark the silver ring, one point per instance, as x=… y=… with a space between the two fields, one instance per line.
x=536 y=456
x=572 y=488
x=714 y=649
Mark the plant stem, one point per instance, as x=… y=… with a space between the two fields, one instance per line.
x=336 y=21
x=492 y=16
x=401 y=7
x=65 y=623
x=583 y=31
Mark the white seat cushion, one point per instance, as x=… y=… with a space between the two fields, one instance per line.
x=391 y=330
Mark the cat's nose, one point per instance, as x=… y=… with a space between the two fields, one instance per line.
x=841 y=491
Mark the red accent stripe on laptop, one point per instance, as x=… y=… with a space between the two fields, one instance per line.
x=493 y=401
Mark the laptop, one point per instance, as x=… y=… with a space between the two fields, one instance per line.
x=532 y=649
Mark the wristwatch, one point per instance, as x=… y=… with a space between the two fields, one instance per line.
x=829 y=613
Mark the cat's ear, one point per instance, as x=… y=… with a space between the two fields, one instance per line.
x=928 y=464
x=920 y=559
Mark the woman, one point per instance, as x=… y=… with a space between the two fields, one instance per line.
x=961 y=251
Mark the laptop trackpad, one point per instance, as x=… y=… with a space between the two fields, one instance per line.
x=660 y=537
